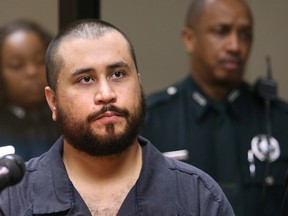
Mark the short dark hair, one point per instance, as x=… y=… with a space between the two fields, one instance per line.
x=20 y=25
x=195 y=10
x=85 y=28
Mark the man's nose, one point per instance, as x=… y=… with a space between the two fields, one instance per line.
x=233 y=43
x=105 y=93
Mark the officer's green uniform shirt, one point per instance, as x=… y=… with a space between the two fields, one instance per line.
x=182 y=117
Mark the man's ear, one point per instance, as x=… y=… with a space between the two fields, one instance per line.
x=51 y=100
x=188 y=39
x=139 y=77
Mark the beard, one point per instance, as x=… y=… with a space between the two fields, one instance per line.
x=80 y=135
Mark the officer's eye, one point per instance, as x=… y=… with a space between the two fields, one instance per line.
x=221 y=30
x=246 y=34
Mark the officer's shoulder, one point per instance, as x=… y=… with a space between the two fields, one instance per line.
x=165 y=95
x=278 y=103
x=281 y=105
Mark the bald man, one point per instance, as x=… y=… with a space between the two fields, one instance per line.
x=217 y=118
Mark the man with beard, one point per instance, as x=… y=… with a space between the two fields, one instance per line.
x=100 y=166
x=216 y=117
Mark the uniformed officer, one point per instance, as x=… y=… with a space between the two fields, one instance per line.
x=216 y=121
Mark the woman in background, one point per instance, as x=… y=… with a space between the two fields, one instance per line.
x=25 y=119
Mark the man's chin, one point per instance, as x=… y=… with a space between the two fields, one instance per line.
x=228 y=81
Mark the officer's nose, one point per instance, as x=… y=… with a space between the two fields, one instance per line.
x=233 y=43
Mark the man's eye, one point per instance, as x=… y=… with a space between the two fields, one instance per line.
x=86 y=79
x=221 y=31
x=117 y=74
x=245 y=35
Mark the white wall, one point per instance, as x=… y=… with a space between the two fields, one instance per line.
x=44 y=12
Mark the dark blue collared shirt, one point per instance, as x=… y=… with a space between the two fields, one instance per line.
x=165 y=187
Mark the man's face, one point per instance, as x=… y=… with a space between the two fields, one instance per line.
x=23 y=69
x=223 y=38
x=99 y=102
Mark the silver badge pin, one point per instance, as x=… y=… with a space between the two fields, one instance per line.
x=265 y=149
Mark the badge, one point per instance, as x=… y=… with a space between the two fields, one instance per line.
x=264 y=149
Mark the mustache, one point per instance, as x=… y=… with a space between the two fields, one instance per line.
x=122 y=112
x=233 y=57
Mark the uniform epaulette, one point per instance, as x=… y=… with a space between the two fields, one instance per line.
x=161 y=96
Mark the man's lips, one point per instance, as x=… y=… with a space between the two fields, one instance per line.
x=108 y=117
x=108 y=114
x=231 y=64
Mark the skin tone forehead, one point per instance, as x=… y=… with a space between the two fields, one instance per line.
x=230 y=11
x=111 y=42
x=21 y=40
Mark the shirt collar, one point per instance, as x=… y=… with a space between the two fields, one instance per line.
x=142 y=195
x=202 y=103
x=58 y=195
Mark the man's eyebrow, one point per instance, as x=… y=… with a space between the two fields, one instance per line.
x=91 y=69
x=117 y=65
x=82 y=71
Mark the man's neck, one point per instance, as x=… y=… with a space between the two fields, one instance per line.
x=94 y=168
x=103 y=182
x=214 y=91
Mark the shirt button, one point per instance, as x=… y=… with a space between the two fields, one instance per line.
x=269 y=180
